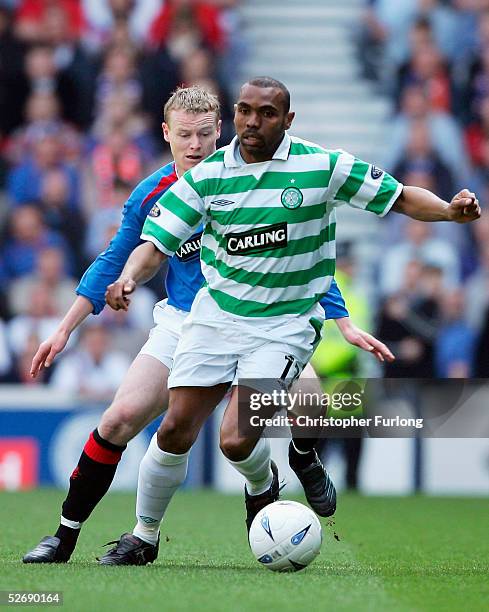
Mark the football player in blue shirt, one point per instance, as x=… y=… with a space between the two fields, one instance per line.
x=191 y=126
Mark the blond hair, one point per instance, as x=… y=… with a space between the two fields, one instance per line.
x=192 y=99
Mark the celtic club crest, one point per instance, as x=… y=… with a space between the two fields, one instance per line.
x=291 y=197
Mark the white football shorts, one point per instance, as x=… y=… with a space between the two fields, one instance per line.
x=164 y=336
x=218 y=347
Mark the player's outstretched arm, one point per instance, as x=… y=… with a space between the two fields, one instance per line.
x=356 y=336
x=142 y=265
x=48 y=349
x=423 y=205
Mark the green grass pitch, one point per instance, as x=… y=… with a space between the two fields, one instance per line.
x=414 y=553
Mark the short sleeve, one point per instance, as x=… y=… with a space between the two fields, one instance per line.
x=363 y=185
x=174 y=217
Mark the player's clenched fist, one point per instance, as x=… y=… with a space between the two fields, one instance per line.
x=464 y=207
x=116 y=294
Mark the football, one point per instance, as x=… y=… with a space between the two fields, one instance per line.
x=285 y=536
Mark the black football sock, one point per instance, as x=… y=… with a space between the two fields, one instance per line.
x=89 y=482
x=68 y=537
x=301 y=452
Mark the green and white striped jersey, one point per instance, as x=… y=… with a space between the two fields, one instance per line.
x=268 y=243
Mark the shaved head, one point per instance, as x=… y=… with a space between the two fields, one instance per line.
x=266 y=82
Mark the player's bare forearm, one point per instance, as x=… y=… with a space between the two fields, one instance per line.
x=47 y=351
x=78 y=312
x=421 y=204
x=142 y=265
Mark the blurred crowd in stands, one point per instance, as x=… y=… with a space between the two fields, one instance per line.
x=432 y=58
x=82 y=85
x=82 y=89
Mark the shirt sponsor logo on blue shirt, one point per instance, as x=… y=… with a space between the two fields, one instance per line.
x=189 y=249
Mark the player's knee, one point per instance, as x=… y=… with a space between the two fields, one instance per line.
x=119 y=424
x=233 y=446
x=175 y=435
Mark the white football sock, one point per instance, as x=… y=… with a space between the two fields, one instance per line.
x=160 y=475
x=301 y=452
x=71 y=524
x=256 y=468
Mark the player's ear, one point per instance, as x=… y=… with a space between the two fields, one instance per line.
x=166 y=130
x=218 y=129
x=289 y=119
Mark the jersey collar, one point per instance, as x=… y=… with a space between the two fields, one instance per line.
x=232 y=156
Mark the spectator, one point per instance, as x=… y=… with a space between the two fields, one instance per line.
x=21 y=369
x=408 y=322
x=388 y=24
x=420 y=157
x=104 y=16
x=333 y=356
x=428 y=68
x=105 y=222
x=32 y=13
x=480 y=175
x=60 y=217
x=39 y=319
x=480 y=231
x=118 y=78
x=418 y=245
x=114 y=159
x=93 y=371
x=117 y=114
x=50 y=272
x=25 y=181
x=479 y=84
x=455 y=342
x=443 y=22
x=29 y=236
x=12 y=85
x=481 y=369
x=42 y=116
x=477 y=292
x=469 y=14
x=40 y=68
x=75 y=69
x=197 y=65
x=468 y=62
x=445 y=134
x=481 y=23
x=430 y=174
x=477 y=134
x=157 y=61
x=234 y=31
x=40 y=73
x=82 y=83
x=420 y=35
x=184 y=25
x=198 y=68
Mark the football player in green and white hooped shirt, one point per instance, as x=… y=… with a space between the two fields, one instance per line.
x=267 y=202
